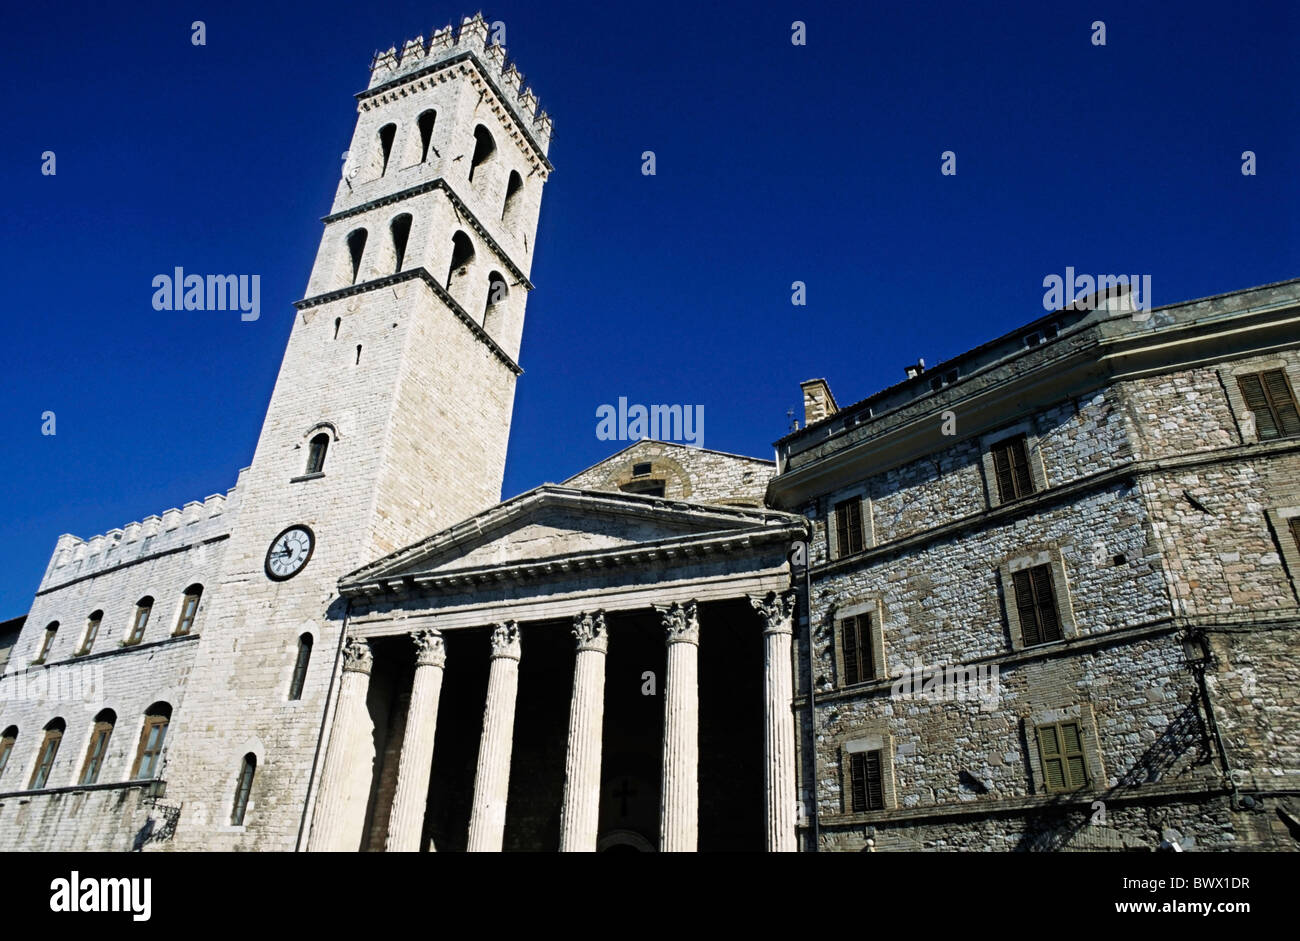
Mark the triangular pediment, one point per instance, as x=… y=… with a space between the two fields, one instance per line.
x=562 y=523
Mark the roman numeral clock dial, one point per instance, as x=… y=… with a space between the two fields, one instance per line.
x=289 y=552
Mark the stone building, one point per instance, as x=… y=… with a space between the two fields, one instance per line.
x=359 y=647
x=1054 y=587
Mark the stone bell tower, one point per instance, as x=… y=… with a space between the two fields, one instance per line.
x=389 y=418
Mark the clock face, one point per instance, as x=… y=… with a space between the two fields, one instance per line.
x=289 y=552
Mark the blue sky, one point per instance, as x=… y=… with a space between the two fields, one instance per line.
x=775 y=163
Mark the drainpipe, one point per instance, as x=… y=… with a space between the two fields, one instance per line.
x=320 y=736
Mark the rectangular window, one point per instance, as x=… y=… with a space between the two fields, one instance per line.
x=1036 y=605
x=855 y=642
x=1268 y=394
x=151 y=743
x=95 y=754
x=189 y=605
x=1060 y=748
x=867 y=786
x=1011 y=466
x=49 y=749
x=848 y=526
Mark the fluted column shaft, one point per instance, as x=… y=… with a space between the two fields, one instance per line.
x=580 y=816
x=406 y=819
x=778 y=718
x=330 y=818
x=680 y=791
x=487 y=821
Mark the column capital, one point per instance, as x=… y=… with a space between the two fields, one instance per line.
x=777 y=611
x=429 y=649
x=589 y=630
x=505 y=640
x=357 y=657
x=680 y=622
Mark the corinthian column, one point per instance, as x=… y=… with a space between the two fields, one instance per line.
x=330 y=827
x=679 y=822
x=778 y=695
x=487 y=821
x=580 y=816
x=406 y=819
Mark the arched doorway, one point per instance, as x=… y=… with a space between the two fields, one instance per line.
x=624 y=841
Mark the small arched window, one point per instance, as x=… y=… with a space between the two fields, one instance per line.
x=316 y=453
x=386 y=135
x=98 y=747
x=92 y=631
x=462 y=253
x=338 y=322
x=300 y=665
x=496 y=295
x=401 y=229
x=143 y=608
x=156 y=719
x=484 y=147
x=425 y=124
x=47 y=641
x=356 y=247
x=189 y=608
x=513 y=186
x=7 y=747
x=243 y=788
x=45 y=758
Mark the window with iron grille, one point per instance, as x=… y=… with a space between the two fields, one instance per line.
x=1036 y=605
x=1011 y=467
x=99 y=738
x=1060 y=749
x=1268 y=394
x=855 y=644
x=866 y=786
x=848 y=526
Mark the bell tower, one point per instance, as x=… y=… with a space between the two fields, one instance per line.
x=389 y=418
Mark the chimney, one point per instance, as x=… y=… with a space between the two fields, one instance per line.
x=914 y=371
x=818 y=403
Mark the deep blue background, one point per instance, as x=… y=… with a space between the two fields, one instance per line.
x=775 y=163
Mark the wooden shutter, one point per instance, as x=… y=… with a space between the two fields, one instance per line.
x=848 y=527
x=1019 y=453
x=866 y=782
x=1011 y=467
x=1060 y=747
x=1002 y=470
x=1282 y=402
x=866 y=652
x=1049 y=624
x=1076 y=775
x=1024 y=601
x=1049 y=751
x=849 y=633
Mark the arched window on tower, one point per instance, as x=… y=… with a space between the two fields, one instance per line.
x=496 y=296
x=513 y=187
x=356 y=246
x=143 y=608
x=484 y=147
x=92 y=631
x=243 y=787
x=156 y=719
x=47 y=641
x=45 y=757
x=401 y=229
x=462 y=253
x=98 y=747
x=7 y=740
x=316 y=453
x=425 y=124
x=299 y=679
x=386 y=135
x=189 y=608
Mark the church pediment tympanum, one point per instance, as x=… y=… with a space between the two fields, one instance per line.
x=558 y=528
